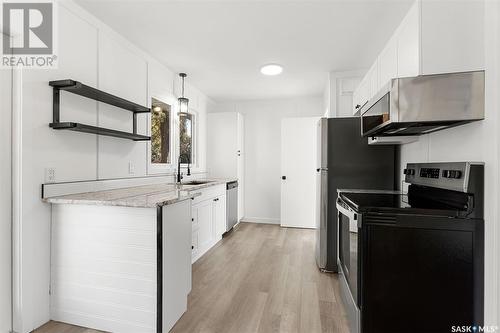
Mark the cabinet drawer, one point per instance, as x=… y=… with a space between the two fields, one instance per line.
x=209 y=193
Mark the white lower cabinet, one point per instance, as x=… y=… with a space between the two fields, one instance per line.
x=209 y=219
x=220 y=215
x=204 y=218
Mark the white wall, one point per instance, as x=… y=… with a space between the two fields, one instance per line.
x=5 y=200
x=92 y=53
x=476 y=142
x=263 y=150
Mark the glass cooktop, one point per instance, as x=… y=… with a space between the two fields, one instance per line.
x=360 y=200
x=371 y=201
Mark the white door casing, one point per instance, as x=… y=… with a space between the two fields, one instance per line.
x=241 y=166
x=298 y=165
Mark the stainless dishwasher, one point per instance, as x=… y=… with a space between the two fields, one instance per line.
x=231 y=205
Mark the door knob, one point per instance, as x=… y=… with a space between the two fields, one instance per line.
x=283 y=177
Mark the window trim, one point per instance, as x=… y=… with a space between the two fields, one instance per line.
x=163 y=168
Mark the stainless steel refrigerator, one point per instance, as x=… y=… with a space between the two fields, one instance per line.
x=346 y=161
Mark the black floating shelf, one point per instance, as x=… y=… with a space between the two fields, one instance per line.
x=81 y=89
x=77 y=127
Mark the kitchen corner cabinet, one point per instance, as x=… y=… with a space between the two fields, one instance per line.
x=428 y=41
x=208 y=219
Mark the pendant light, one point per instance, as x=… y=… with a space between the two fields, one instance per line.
x=183 y=101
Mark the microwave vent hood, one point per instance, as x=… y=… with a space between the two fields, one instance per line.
x=424 y=104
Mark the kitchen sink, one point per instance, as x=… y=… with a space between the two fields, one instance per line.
x=197 y=182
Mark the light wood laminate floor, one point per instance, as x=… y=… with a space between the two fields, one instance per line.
x=260 y=278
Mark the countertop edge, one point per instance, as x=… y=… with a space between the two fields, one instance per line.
x=187 y=193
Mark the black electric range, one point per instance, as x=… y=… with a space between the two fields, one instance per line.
x=415 y=262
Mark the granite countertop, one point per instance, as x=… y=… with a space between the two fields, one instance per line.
x=146 y=196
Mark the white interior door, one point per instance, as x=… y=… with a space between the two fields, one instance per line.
x=298 y=170
x=5 y=199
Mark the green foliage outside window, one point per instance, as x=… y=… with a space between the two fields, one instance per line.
x=160 y=132
x=186 y=138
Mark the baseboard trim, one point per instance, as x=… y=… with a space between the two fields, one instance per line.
x=264 y=220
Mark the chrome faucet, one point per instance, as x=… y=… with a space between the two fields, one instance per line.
x=179 y=174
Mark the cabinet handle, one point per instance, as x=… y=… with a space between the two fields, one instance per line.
x=192 y=219
x=192 y=247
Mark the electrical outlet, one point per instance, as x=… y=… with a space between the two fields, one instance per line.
x=131 y=168
x=50 y=175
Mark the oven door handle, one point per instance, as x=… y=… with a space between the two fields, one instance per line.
x=347 y=212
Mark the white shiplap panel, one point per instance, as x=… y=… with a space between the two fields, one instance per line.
x=104 y=262
x=100 y=322
x=122 y=281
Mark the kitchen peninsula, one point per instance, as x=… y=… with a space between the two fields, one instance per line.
x=121 y=258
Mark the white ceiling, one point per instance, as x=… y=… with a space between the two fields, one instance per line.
x=222 y=44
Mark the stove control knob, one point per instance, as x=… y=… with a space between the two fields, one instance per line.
x=446 y=173
x=458 y=174
x=409 y=172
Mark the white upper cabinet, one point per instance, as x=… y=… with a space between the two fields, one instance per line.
x=361 y=94
x=408 y=44
x=373 y=75
x=388 y=62
x=452 y=36
x=434 y=37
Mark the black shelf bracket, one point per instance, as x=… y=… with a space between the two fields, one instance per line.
x=79 y=88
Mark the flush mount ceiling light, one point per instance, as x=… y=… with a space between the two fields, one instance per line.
x=271 y=69
x=183 y=101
